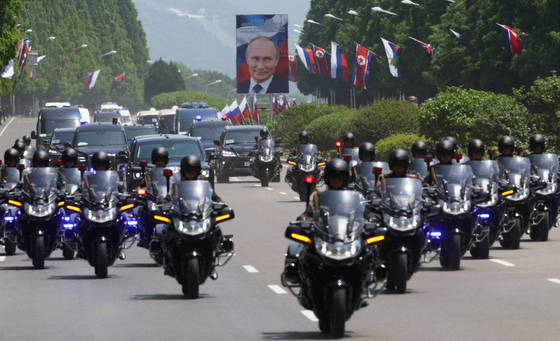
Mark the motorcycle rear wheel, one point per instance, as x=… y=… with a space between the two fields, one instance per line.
x=481 y=250
x=400 y=266
x=338 y=312
x=39 y=252
x=515 y=234
x=543 y=227
x=9 y=247
x=191 y=278
x=67 y=252
x=101 y=262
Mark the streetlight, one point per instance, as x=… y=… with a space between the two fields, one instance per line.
x=297 y=31
x=230 y=92
x=314 y=22
x=51 y=38
x=29 y=31
x=296 y=25
x=353 y=12
x=108 y=53
x=82 y=46
x=218 y=81
x=193 y=75
x=332 y=16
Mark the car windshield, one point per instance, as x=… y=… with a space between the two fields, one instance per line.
x=47 y=126
x=100 y=138
x=207 y=133
x=126 y=119
x=242 y=136
x=106 y=116
x=166 y=123
x=133 y=131
x=147 y=119
x=176 y=149
x=61 y=137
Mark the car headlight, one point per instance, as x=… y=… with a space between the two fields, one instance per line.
x=338 y=250
x=191 y=227
x=266 y=158
x=456 y=207
x=227 y=153
x=100 y=216
x=401 y=223
x=306 y=168
x=40 y=210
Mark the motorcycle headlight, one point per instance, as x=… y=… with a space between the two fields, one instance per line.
x=338 y=250
x=40 y=210
x=266 y=158
x=401 y=223
x=227 y=153
x=456 y=207
x=205 y=173
x=100 y=216
x=191 y=227
x=306 y=168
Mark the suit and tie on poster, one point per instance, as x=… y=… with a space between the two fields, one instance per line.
x=262 y=54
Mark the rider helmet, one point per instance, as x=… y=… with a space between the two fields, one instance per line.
x=11 y=154
x=366 y=149
x=506 y=142
x=537 y=140
x=69 y=155
x=398 y=157
x=419 y=147
x=475 y=146
x=100 y=159
x=40 y=159
x=303 y=136
x=337 y=168
x=264 y=133
x=160 y=153
x=445 y=147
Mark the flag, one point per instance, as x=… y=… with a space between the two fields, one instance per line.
x=225 y=111
x=8 y=70
x=117 y=80
x=275 y=105
x=361 y=66
x=391 y=51
x=294 y=103
x=339 y=64
x=244 y=107
x=234 y=112
x=280 y=104
x=91 y=79
x=514 y=40
x=455 y=33
x=32 y=73
x=23 y=50
x=294 y=74
x=321 y=60
x=306 y=57
x=40 y=58
x=255 y=114
x=18 y=26
x=284 y=105
x=428 y=48
x=62 y=63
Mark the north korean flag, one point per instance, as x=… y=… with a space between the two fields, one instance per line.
x=361 y=66
x=513 y=40
x=428 y=48
x=321 y=60
x=294 y=74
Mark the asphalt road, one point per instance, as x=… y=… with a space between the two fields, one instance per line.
x=515 y=295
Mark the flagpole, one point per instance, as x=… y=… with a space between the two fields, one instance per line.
x=271 y=108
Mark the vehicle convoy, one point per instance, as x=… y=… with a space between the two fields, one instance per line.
x=191 y=112
x=207 y=132
x=265 y=163
x=192 y=241
x=50 y=118
x=133 y=130
x=333 y=267
x=305 y=162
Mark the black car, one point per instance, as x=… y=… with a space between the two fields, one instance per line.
x=107 y=137
x=133 y=130
x=232 y=153
x=178 y=146
x=207 y=132
x=60 y=137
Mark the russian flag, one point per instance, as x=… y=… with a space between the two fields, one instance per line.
x=321 y=60
x=244 y=106
x=391 y=51
x=361 y=66
x=307 y=58
x=91 y=79
x=428 y=48
x=513 y=40
x=294 y=74
x=339 y=64
x=234 y=112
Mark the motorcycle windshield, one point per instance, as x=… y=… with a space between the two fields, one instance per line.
x=40 y=182
x=401 y=194
x=485 y=172
x=341 y=214
x=266 y=144
x=192 y=197
x=72 y=177
x=546 y=165
x=518 y=170
x=11 y=176
x=350 y=151
x=306 y=149
x=101 y=187
x=454 y=182
x=365 y=169
x=420 y=167
x=156 y=182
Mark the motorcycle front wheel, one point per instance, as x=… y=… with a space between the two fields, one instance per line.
x=400 y=262
x=542 y=228
x=39 y=254
x=264 y=178
x=481 y=249
x=338 y=312
x=455 y=252
x=9 y=247
x=101 y=261
x=67 y=252
x=191 y=278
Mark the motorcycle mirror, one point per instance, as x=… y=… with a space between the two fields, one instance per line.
x=216 y=142
x=309 y=179
x=57 y=163
x=256 y=138
x=296 y=141
x=433 y=151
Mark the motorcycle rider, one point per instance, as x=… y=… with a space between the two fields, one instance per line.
x=506 y=146
x=349 y=140
x=190 y=170
x=100 y=161
x=160 y=157
x=20 y=146
x=366 y=152
x=11 y=157
x=40 y=159
x=264 y=136
x=537 y=144
x=27 y=140
x=445 y=150
x=398 y=163
x=419 y=149
x=303 y=138
x=476 y=149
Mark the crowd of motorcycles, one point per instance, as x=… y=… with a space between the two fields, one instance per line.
x=351 y=245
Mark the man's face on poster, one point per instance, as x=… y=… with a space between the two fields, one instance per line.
x=262 y=59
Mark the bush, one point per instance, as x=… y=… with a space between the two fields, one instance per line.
x=382 y=119
x=325 y=130
x=470 y=114
x=169 y=99
x=384 y=147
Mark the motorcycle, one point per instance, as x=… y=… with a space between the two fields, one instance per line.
x=545 y=212
x=333 y=262
x=39 y=216
x=10 y=178
x=72 y=178
x=104 y=216
x=192 y=241
x=305 y=163
x=265 y=163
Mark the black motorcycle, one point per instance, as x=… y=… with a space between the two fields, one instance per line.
x=39 y=216
x=265 y=163
x=305 y=163
x=334 y=263
x=105 y=215
x=192 y=241
x=10 y=178
x=545 y=212
x=71 y=178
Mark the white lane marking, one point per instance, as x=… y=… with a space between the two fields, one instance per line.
x=7 y=126
x=250 y=269
x=310 y=315
x=297 y=198
x=554 y=280
x=3 y=258
x=277 y=289
x=234 y=178
x=284 y=193
x=503 y=262
x=270 y=189
x=257 y=185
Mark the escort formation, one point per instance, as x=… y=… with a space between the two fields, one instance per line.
x=93 y=189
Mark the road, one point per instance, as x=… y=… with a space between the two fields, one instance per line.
x=515 y=295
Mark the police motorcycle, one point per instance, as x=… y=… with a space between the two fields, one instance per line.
x=333 y=263
x=265 y=163
x=305 y=163
x=104 y=219
x=350 y=155
x=71 y=178
x=545 y=211
x=38 y=217
x=10 y=178
x=192 y=241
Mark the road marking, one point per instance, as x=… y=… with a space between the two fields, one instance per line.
x=277 y=289
x=270 y=189
x=310 y=315
x=554 y=280
x=257 y=185
x=284 y=193
x=250 y=269
x=6 y=126
x=234 y=178
x=3 y=258
x=297 y=198
x=503 y=262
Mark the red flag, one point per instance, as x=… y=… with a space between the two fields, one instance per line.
x=294 y=74
x=255 y=115
x=62 y=63
x=321 y=59
x=361 y=66
x=276 y=105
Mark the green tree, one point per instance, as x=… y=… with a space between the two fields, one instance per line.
x=325 y=130
x=162 y=78
x=385 y=146
x=9 y=10
x=169 y=99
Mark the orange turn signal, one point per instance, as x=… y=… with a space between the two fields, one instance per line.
x=292 y=163
x=162 y=218
x=15 y=203
x=74 y=208
x=374 y=239
x=321 y=164
x=301 y=238
x=126 y=207
x=223 y=217
x=61 y=203
x=506 y=193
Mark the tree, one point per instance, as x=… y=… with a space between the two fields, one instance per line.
x=162 y=78
x=9 y=10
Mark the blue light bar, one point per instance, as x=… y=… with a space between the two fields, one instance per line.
x=67 y=218
x=68 y=226
x=198 y=118
x=82 y=121
x=484 y=215
x=8 y=218
x=132 y=223
x=435 y=234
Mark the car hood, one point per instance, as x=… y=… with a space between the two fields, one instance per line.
x=242 y=149
x=107 y=149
